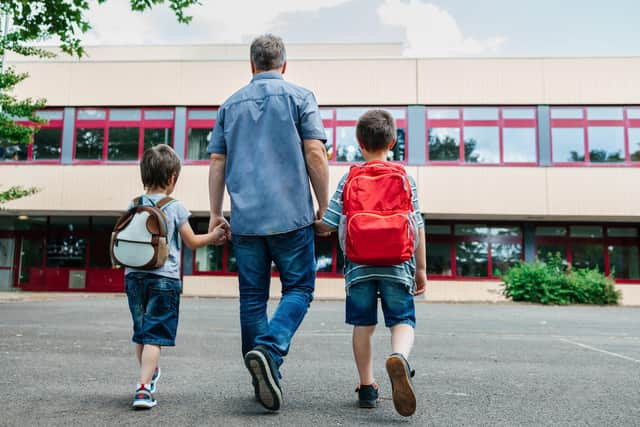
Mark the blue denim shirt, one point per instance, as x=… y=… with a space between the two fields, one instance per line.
x=260 y=129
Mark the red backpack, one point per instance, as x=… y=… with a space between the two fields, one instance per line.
x=379 y=226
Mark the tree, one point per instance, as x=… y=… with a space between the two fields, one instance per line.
x=33 y=21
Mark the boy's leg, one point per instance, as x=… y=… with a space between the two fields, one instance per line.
x=139 y=348
x=402 y=337
x=363 y=353
x=149 y=361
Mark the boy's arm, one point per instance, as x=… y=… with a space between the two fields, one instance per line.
x=194 y=241
x=421 y=264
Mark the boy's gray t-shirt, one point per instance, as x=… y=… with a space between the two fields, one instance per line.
x=177 y=215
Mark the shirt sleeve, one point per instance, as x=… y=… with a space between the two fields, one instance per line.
x=311 y=120
x=218 y=145
x=333 y=213
x=416 y=205
x=182 y=214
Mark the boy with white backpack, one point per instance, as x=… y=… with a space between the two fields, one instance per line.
x=376 y=212
x=146 y=240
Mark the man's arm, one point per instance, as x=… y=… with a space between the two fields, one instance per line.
x=216 y=190
x=315 y=155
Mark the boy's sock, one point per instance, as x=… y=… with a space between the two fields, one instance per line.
x=367 y=395
x=400 y=374
x=143 y=399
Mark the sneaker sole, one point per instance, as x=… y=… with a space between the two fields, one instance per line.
x=368 y=405
x=404 y=398
x=140 y=404
x=269 y=394
x=152 y=386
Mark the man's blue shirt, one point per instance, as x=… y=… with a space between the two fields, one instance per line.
x=260 y=129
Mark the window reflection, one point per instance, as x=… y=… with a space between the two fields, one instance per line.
x=153 y=137
x=324 y=255
x=439 y=259
x=472 y=259
x=444 y=144
x=46 y=144
x=10 y=152
x=209 y=258
x=634 y=144
x=481 y=144
x=89 y=143
x=519 y=145
x=568 y=144
x=606 y=144
x=347 y=145
x=198 y=141
x=624 y=261
x=123 y=144
x=587 y=255
x=66 y=251
x=505 y=256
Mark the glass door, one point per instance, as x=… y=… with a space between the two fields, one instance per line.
x=7 y=251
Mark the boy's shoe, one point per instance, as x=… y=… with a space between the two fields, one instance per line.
x=367 y=395
x=400 y=374
x=143 y=399
x=265 y=377
x=154 y=379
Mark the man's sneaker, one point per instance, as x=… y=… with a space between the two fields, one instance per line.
x=154 y=379
x=143 y=399
x=265 y=376
x=368 y=395
x=400 y=374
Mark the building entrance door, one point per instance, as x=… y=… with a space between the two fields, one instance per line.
x=7 y=253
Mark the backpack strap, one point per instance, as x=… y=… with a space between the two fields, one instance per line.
x=163 y=203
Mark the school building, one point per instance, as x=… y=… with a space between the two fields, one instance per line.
x=514 y=158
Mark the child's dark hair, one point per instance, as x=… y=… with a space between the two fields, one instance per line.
x=375 y=130
x=159 y=163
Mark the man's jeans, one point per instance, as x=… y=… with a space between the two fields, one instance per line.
x=293 y=253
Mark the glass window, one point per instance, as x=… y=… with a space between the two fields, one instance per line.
x=590 y=231
x=46 y=144
x=587 y=255
x=198 y=140
x=90 y=114
x=340 y=261
x=568 y=144
x=624 y=262
x=125 y=115
x=518 y=113
x=545 y=250
x=99 y=256
x=438 y=229
x=634 y=144
x=66 y=251
x=326 y=114
x=347 y=145
x=49 y=115
x=103 y=223
x=89 y=143
x=471 y=230
x=329 y=142
x=633 y=113
x=472 y=259
x=397 y=153
x=439 y=259
x=566 y=113
x=69 y=223
x=519 y=145
x=551 y=231
x=505 y=231
x=604 y=113
x=155 y=136
x=209 y=258
x=350 y=114
x=202 y=114
x=504 y=256
x=10 y=152
x=31 y=256
x=232 y=264
x=606 y=144
x=480 y=113
x=443 y=113
x=6 y=252
x=158 y=115
x=444 y=144
x=481 y=144
x=123 y=144
x=324 y=255
x=622 y=232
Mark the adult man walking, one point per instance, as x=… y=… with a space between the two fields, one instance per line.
x=268 y=143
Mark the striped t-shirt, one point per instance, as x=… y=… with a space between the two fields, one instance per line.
x=356 y=273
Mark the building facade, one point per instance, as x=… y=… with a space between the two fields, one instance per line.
x=513 y=158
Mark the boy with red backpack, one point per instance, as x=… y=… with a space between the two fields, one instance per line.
x=375 y=210
x=146 y=240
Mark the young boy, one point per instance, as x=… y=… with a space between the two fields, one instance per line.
x=154 y=295
x=395 y=284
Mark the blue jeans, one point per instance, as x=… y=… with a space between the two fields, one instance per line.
x=293 y=253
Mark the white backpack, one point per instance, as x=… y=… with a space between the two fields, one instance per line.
x=139 y=239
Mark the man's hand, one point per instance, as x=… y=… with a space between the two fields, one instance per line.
x=421 y=282
x=216 y=220
x=322 y=229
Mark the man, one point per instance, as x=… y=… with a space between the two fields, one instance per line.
x=268 y=143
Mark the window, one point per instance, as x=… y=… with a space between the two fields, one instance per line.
x=482 y=135
x=340 y=128
x=594 y=135
x=120 y=134
x=45 y=146
x=472 y=250
x=200 y=124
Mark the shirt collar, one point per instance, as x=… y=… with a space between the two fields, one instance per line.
x=267 y=75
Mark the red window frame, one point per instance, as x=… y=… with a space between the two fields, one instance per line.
x=585 y=123
x=197 y=124
x=605 y=241
x=106 y=123
x=501 y=123
x=452 y=239
x=51 y=124
x=333 y=123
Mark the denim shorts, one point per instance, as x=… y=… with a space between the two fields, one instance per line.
x=397 y=304
x=154 y=302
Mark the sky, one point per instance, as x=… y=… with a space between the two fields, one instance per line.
x=426 y=28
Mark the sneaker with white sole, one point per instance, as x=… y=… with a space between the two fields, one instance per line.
x=265 y=377
x=154 y=379
x=143 y=399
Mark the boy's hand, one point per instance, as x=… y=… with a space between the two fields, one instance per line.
x=421 y=282
x=221 y=234
x=322 y=229
x=215 y=221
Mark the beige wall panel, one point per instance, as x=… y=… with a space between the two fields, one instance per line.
x=480 y=81
x=211 y=83
x=496 y=191
x=227 y=286
x=463 y=291
x=357 y=82
x=52 y=81
x=630 y=294
x=592 y=81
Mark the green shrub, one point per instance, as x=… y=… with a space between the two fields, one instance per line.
x=552 y=282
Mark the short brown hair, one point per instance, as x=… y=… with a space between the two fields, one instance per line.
x=376 y=129
x=159 y=163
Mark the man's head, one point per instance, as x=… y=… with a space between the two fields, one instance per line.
x=268 y=54
x=159 y=168
x=376 y=131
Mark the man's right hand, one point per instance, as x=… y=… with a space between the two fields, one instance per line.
x=216 y=220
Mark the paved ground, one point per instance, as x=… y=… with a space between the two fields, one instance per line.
x=70 y=362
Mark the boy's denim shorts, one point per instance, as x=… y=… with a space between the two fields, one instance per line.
x=397 y=304
x=154 y=302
